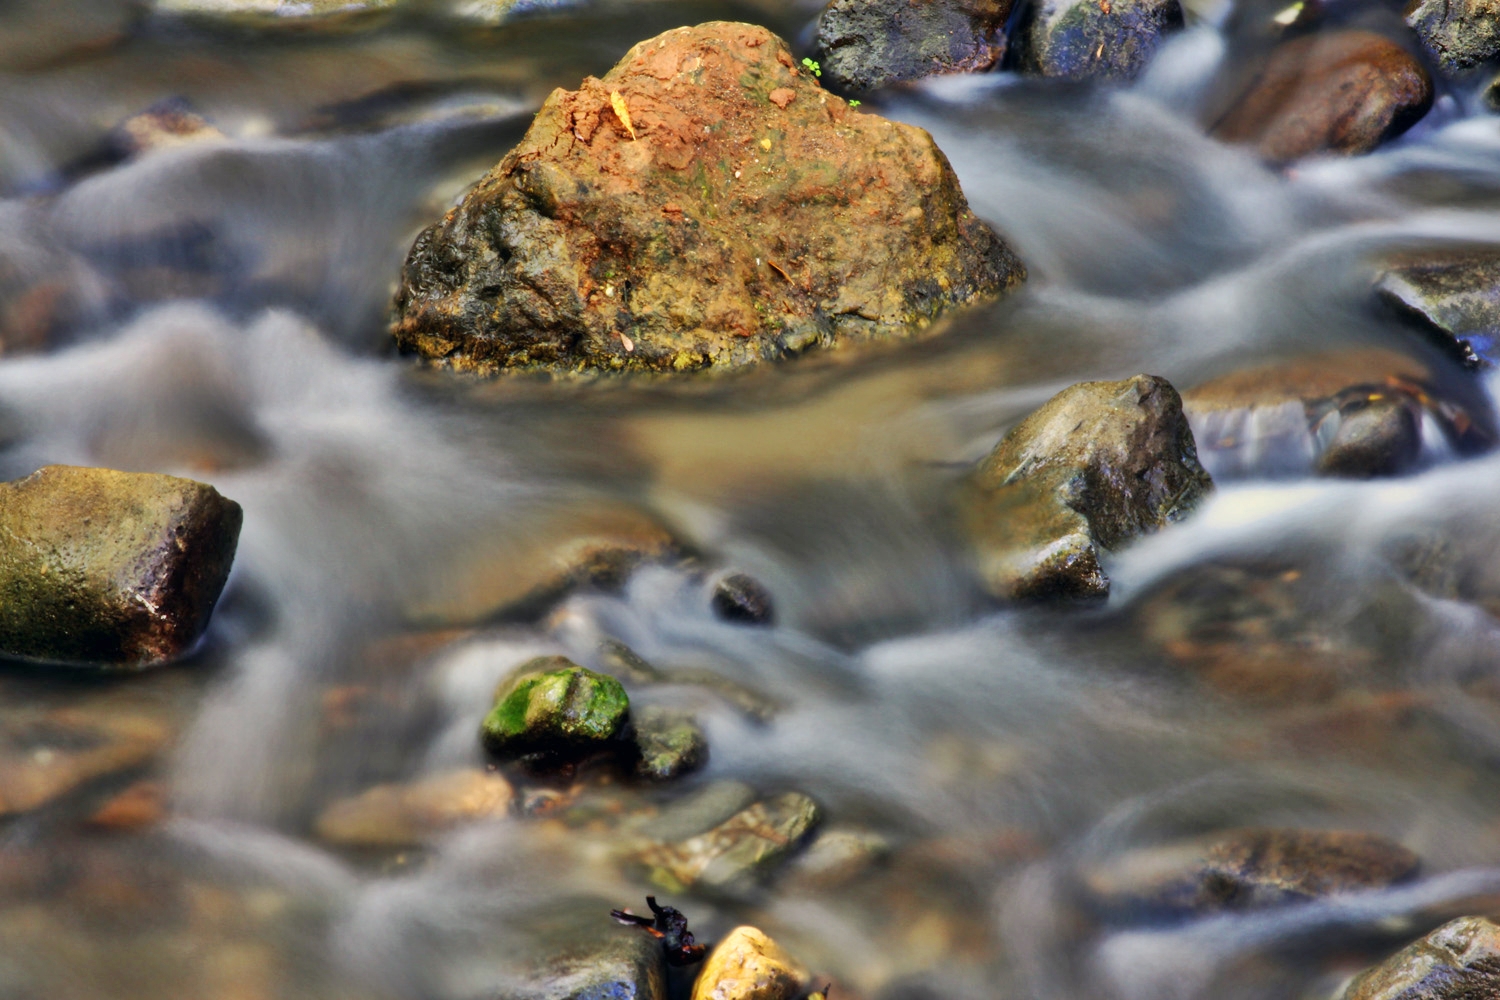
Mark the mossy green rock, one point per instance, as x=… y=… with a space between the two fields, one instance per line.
x=670 y=744
x=110 y=568
x=1458 y=961
x=558 y=708
x=1097 y=465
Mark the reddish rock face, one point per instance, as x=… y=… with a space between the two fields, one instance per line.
x=705 y=204
x=1336 y=92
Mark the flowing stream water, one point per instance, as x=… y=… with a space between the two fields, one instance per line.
x=1265 y=662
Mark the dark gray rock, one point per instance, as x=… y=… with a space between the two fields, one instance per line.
x=1458 y=961
x=1096 y=466
x=670 y=743
x=110 y=568
x=602 y=961
x=867 y=44
x=1094 y=39
x=1379 y=437
x=1460 y=34
x=741 y=598
x=1453 y=294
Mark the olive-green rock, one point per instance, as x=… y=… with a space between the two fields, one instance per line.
x=556 y=708
x=1458 y=961
x=739 y=852
x=1246 y=869
x=110 y=568
x=670 y=744
x=1090 y=40
x=1097 y=465
x=1460 y=34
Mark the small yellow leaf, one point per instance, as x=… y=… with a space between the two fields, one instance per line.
x=766 y=145
x=617 y=101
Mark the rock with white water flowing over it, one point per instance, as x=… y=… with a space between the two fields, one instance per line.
x=1341 y=92
x=867 y=44
x=110 y=568
x=1458 y=961
x=1096 y=466
x=1091 y=40
x=704 y=205
x=748 y=965
x=320 y=15
x=1460 y=34
x=1452 y=293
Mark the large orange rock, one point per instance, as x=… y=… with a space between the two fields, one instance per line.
x=705 y=204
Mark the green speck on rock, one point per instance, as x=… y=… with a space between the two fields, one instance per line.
x=555 y=706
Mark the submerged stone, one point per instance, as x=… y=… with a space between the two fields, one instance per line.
x=1460 y=34
x=1458 y=961
x=1343 y=92
x=1453 y=293
x=1096 y=466
x=748 y=965
x=600 y=961
x=670 y=744
x=1247 y=869
x=867 y=44
x=739 y=852
x=279 y=14
x=110 y=568
x=1090 y=40
x=556 y=709
x=406 y=815
x=704 y=205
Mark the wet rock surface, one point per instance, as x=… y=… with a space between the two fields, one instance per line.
x=1341 y=92
x=406 y=815
x=748 y=965
x=555 y=712
x=864 y=45
x=110 y=568
x=1460 y=34
x=669 y=742
x=705 y=204
x=1096 y=466
x=1354 y=413
x=741 y=598
x=1246 y=869
x=1461 y=959
x=280 y=14
x=1452 y=294
x=600 y=961
x=1089 y=40
x=739 y=852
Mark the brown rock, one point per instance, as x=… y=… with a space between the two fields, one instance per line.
x=671 y=216
x=111 y=568
x=47 y=753
x=1097 y=465
x=408 y=815
x=1458 y=961
x=1247 y=869
x=1460 y=34
x=1334 y=92
x=748 y=965
x=739 y=851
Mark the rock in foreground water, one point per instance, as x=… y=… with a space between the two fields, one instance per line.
x=405 y=815
x=1460 y=34
x=669 y=744
x=1334 y=92
x=748 y=965
x=1087 y=40
x=705 y=204
x=1458 y=961
x=1247 y=869
x=110 y=568
x=1453 y=294
x=867 y=44
x=556 y=711
x=740 y=851
x=1097 y=465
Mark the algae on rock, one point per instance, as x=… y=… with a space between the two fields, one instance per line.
x=704 y=205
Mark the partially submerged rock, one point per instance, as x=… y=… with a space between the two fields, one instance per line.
x=669 y=744
x=1343 y=92
x=1460 y=34
x=1097 y=465
x=406 y=815
x=280 y=14
x=1246 y=869
x=1452 y=293
x=740 y=851
x=703 y=205
x=867 y=44
x=166 y=125
x=739 y=597
x=1458 y=961
x=1089 y=40
x=748 y=965
x=555 y=711
x=110 y=568
x=600 y=961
